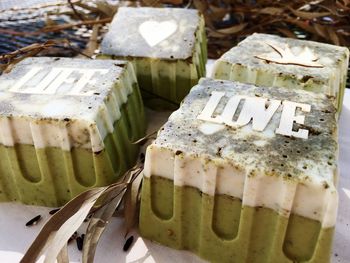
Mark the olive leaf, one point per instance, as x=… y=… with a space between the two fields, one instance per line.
x=100 y=218
x=285 y=56
x=61 y=226
x=131 y=201
x=63 y=255
x=99 y=203
x=99 y=221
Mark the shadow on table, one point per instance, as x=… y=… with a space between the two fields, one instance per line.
x=158 y=253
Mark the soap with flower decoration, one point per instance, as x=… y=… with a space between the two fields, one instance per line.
x=274 y=61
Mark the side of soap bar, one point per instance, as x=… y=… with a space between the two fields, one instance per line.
x=66 y=125
x=308 y=65
x=222 y=181
x=167 y=47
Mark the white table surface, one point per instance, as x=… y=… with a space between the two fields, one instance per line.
x=15 y=237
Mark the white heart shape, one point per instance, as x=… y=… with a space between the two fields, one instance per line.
x=155 y=32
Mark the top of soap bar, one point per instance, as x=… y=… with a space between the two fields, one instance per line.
x=62 y=101
x=282 y=132
x=251 y=51
x=166 y=33
x=58 y=87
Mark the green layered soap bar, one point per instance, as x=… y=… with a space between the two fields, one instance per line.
x=271 y=60
x=66 y=125
x=167 y=47
x=242 y=173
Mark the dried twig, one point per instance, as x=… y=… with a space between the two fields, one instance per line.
x=55 y=28
x=228 y=22
x=80 y=16
x=9 y=60
x=145 y=138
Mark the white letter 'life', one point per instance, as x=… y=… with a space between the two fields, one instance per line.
x=50 y=83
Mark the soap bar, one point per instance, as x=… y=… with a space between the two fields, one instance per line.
x=242 y=173
x=271 y=60
x=167 y=47
x=66 y=125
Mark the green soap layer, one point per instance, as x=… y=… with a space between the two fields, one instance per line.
x=220 y=229
x=165 y=82
x=52 y=176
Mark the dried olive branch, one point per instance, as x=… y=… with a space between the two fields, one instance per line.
x=55 y=28
x=37 y=7
x=159 y=97
x=136 y=170
x=228 y=22
x=75 y=10
x=144 y=139
x=55 y=234
x=9 y=60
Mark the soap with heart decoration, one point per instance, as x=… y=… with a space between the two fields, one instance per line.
x=154 y=32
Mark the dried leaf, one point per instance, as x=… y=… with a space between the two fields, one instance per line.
x=92 y=45
x=333 y=36
x=302 y=24
x=67 y=26
x=9 y=60
x=224 y=15
x=49 y=21
x=106 y=8
x=99 y=221
x=173 y=2
x=232 y=29
x=63 y=255
x=61 y=226
x=99 y=202
x=309 y=15
x=286 y=32
x=75 y=11
x=131 y=202
x=201 y=5
x=271 y=11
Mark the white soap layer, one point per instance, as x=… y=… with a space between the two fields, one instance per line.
x=309 y=199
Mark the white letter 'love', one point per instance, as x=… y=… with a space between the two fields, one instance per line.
x=258 y=110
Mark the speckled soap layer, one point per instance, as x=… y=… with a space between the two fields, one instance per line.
x=57 y=143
